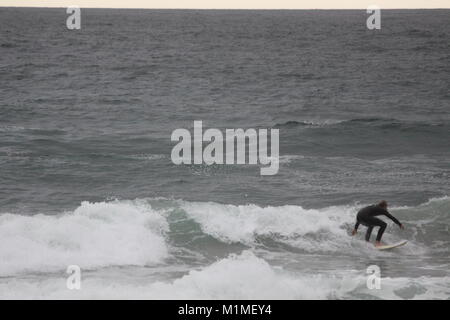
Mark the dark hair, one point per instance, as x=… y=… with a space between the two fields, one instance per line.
x=383 y=204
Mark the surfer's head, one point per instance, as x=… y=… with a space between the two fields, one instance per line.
x=383 y=204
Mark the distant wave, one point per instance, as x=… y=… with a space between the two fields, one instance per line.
x=419 y=33
x=8 y=45
x=146 y=156
x=11 y=128
x=32 y=130
x=309 y=123
x=375 y=122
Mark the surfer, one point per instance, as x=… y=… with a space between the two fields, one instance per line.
x=366 y=216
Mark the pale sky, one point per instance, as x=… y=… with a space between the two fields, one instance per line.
x=231 y=4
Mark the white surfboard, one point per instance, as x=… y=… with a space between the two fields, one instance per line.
x=391 y=246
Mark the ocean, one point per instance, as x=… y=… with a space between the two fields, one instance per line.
x=86 y=176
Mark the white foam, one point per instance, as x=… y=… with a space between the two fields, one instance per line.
x=123 y=233
x=94 y=235
x=314 y=230
x=288 y=158
x=11 y=128
x=243 y=276
x=132 y=233
x=246 y=276
x=231 y=223
x=148 y=156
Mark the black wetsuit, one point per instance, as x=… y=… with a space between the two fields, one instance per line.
x=366 y=216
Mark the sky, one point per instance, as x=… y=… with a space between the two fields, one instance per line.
x=232 y=4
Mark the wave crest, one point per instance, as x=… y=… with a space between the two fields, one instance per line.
x=94 y=235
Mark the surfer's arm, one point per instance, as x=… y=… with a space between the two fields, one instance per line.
x=390 y=216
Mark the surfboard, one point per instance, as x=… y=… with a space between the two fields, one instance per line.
x=391 y=246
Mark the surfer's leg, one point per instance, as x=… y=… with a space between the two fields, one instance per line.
x=383 y=226
x=369 y=232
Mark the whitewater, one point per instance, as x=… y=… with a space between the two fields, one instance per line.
x=159 y=248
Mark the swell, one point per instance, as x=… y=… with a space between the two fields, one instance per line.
x=365 y=137
x=370 y=122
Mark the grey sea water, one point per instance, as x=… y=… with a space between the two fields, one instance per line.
x=86 y=176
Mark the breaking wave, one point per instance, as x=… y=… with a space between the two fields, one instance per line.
x=137 y=232
x=153 y=236
x=94 y=235
x=243 y=276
